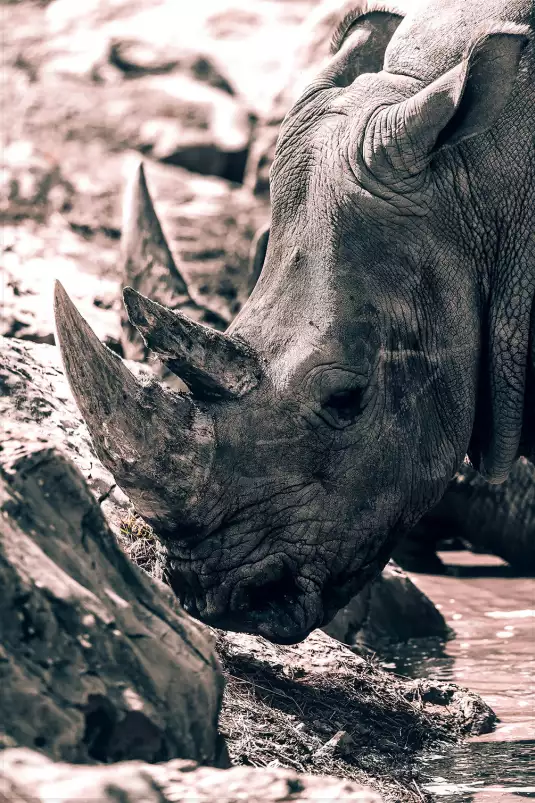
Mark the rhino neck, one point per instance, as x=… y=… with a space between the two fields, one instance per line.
x=504 y=425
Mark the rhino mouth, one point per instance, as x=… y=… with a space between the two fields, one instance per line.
x=274 y=598
x=280 y=607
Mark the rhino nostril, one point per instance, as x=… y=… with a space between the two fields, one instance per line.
x=186 y=588
x=269 y=593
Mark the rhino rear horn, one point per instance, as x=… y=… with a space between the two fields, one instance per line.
x=157 y=444
x=212 y=364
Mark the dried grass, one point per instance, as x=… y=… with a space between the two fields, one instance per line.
x=275 y=714
x=140 y=543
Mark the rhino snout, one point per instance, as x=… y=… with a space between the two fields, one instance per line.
x=272 y=603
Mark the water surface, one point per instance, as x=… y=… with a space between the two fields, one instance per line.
x=492 y=612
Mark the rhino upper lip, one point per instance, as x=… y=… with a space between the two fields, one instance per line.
x=265 y=610
x=284 y=608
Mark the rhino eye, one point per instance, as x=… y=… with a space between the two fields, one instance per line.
x=344 y=406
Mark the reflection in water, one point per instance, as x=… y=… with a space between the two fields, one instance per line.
x=493 y=615
x=483 y=772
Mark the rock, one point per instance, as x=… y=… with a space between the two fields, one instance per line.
x=135 y=58
x=231 y=34
x=317 y=706
x=33 y=185
x=475 y=717
x=37 y=409
x=178 y=120
x=173 y=118
x=26 y=775
x=392 y=608
x=98 y=661
x=415 y=553
x=168 y=106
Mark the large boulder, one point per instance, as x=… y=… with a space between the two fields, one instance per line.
x=390 y=609
x=28 y=776
x=172 y=118
x=98 y=662
x=235 y=34
x=104 y=86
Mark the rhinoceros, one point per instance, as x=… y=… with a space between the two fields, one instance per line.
x=388 y=333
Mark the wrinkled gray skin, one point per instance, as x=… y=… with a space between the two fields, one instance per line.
x=494 y=519
x=391 y=319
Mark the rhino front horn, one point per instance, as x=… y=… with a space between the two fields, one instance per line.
x=157 y=444
x=213 y=365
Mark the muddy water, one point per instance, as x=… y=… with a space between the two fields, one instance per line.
x=492 y=613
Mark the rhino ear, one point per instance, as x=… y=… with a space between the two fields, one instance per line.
x=466 y=100
x=360 y=40
x=492 y=67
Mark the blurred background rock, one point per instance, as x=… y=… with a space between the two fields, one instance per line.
x=91 y=88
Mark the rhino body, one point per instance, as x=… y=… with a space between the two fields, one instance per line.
x=389 y=331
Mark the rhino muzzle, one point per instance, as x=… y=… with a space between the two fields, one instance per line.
x=269 y=600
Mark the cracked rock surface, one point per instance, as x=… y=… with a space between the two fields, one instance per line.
x=98 y=662
x=38 y=411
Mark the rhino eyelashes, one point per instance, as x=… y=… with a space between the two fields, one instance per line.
x=346 y=404
x=343 y=407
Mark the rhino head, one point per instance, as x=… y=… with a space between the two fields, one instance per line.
x=333 y=412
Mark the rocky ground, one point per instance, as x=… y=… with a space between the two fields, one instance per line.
x=99 y=664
